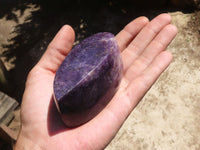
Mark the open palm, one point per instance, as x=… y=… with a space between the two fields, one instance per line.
x=142 y=44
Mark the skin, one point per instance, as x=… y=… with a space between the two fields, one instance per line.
x=143 y=46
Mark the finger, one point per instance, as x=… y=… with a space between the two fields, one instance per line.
x=125 y=100
x=138 y=87
x=57 y=50
x=159 y=44
x=142 y=40
x=129 y=32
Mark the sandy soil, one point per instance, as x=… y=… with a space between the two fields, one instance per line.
x=166 y=118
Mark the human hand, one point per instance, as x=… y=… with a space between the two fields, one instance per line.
x=142 y=44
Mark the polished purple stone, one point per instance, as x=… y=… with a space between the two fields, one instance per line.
x=88 y=78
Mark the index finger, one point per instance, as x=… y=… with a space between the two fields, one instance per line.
x=129 y=32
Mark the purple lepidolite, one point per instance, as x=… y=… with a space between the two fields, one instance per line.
x=88 y=78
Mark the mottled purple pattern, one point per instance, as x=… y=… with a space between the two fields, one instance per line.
x=92 y=68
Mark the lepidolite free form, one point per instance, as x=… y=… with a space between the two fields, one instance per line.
x=87 y=79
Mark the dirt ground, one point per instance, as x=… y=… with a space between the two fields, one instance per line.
x=166 y=118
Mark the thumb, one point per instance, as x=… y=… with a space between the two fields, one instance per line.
x=58 y=49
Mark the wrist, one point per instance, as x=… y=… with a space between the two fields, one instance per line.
x=24 y=143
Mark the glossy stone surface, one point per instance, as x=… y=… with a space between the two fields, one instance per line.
x=87 y=79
